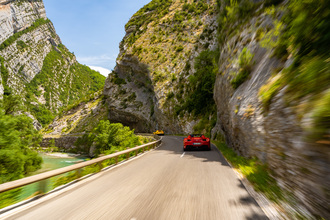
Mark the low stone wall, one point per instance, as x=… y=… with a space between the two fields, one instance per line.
x=64 y=142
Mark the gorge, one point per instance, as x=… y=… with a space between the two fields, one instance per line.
x=254 y=74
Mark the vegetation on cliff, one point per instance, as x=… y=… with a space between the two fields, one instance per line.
x=17 y=139
x=17 y=136
x=15 y=36
x=76 y=81
x=80 y=117
x=58 y=81
x=304 y=36
x=254 y=170
x=285 y=42
x=40 y=77
x=175 y=39
x=108 y=137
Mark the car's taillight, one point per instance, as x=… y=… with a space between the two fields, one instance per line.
x=207 y=139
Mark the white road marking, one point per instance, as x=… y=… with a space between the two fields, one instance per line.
x=183 y=154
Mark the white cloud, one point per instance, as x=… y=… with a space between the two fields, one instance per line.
x=105 y=72
x=102 y=60
x=96 y=59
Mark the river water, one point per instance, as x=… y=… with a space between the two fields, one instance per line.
x=50 y=162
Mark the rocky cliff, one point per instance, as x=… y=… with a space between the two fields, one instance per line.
x=16 y=17
x=266 y=106
x=156 y=59
x=265 y=65
x=36 y=66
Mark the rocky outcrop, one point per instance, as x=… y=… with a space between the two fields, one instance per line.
x=153 y=57
x=36 y=66
x=277 y=135
x=65 y=143
x=130 y=101
x=156 y=66
x=17 y=16
x=78 y=119
x=24 y=64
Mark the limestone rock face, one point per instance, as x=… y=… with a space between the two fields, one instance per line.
x=25 y=62
x=156 y=53
x=128 y=102
x=15 y=17
x=78 y=120
x=276 y=136
x=36 y=66
x=40 y=43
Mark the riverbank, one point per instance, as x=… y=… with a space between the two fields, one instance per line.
x=63 y=155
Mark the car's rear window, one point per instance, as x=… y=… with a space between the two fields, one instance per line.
x=195 y=135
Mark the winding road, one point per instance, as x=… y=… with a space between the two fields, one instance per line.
x=166 y=183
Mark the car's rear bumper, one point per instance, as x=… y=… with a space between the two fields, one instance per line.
x=196 y=147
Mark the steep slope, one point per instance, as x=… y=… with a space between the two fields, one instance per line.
x=36 y=66
x=257 y=72
x=155 y=64
x=272 y=93
x=78 y=118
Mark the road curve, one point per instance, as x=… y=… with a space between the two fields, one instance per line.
x=163 y=184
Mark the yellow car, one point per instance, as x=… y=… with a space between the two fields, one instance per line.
x=159 y=132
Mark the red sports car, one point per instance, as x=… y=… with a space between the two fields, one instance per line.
x=196 y=141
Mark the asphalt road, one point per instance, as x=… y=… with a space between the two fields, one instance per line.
x=166 y=183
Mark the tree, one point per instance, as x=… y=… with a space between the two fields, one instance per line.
x=107 y=138
x=17 y=134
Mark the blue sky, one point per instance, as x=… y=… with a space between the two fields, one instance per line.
x=92 y=29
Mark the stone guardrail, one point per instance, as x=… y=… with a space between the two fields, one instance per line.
x=76 y=167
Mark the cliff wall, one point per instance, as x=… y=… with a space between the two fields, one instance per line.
x=155 y=61
x=267 y=76
x=264 y=115
x=36 y=68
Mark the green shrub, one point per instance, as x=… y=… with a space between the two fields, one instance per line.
x=201 y=84
x=17 y=136
x=132 y=97
x=4 y=72
x=310 y=76
x=53 y=73
x=21 y=45
x=321 y=117
x=159 y=77
x=179 y=48
x=255 y=171
x=178 y=17
x=232 y=14
x=245 y=64
x=116 y=80
x=269 y=90
x=169 y=95
x=308 y=23
x=205 y=125
x=156 y=9
x=173 y=77
x=108 y=138
x=14 y=37
x=239 y=79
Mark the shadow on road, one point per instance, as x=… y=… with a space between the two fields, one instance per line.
x=256 y=216
x=174 y=145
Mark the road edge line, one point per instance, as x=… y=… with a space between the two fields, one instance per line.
x=265 y=205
